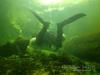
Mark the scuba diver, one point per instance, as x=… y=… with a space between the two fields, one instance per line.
x=42 y=35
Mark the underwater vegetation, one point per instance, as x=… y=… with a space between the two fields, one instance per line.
x=45 y=38
x=85 y=47
x=18 y=47
x=52 y=63
x=49 y=62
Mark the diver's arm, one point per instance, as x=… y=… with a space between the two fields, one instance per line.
x=71 y=19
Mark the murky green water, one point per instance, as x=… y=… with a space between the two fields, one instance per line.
x=41 y=34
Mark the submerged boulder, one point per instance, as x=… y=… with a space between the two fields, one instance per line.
x=18 y=47
x=85 y=47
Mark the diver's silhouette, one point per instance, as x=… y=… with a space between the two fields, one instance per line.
x=59 y=37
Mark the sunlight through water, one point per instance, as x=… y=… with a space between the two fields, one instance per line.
x=55 y=2
x=50 y=2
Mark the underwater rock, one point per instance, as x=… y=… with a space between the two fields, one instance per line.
x=16 y=48
x=85 y=47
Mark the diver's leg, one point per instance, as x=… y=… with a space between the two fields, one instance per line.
x=71 y=19
x=41 y=34
x=61 y=25
x=59 y=36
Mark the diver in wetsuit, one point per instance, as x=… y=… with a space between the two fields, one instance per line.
x=40 y=38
